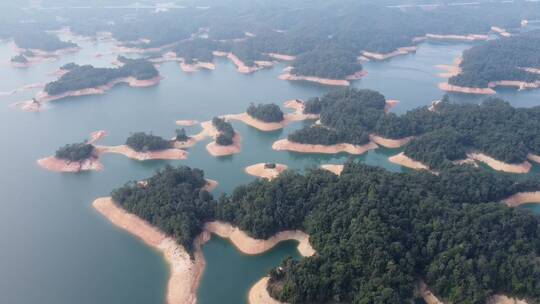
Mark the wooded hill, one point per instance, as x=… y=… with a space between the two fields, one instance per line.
x=376 y=233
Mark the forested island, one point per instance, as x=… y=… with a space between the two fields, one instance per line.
x=443 y=134
x=226 y=131
x=269 y=112
x=81 y=77
x=143 y=142
x=513 y=61
x=376 y=233
x=75 y=152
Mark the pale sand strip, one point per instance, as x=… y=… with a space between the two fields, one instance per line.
x=336 y=169
x=211 y=185
x=521 y=198
x=185 y=273
x=426 y=294
x=534 y=158
x=167 y=154
x=251 y=246
x=286 y=145
x=502 y=299
x=325 y=81
x=390 y=143
x=451 y=70
x=282 y=57
x=457 y=89
x=470 y=37
x=381 y=56
x=186 y=123
x=258 y=294
x=405 y=161
x=54 y=164
x=501 y=31
x=259 y=170
x=390 y=103
x=524 y=167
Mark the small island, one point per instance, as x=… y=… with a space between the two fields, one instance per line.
x=269 y=117
x=142 y=146
x=511 y=62
x=82 y=80
x=75 y=157
x=266 y=170
x=227 y=141
x=173 y=213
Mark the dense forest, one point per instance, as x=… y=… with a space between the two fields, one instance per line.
x=41 y=41
x=492 y=127
x=326 y=36
x=269 y=112
x=173 y=200
x=500 y=59
x=75 y=152
x=181 y=135
x=327 y=62
x=347 y=116
x=226 y=131
x=87 y=76
x=142 y=142
x=375 y=232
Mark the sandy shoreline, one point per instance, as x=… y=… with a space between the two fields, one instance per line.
x=470 y=37
x=451 y=70
x=336 y=169
x=534 y=158
x=250 y=246
x=524 y=167
x=54 y=164
x=241 y=67
x=501 y=31
x=445 y=86
x=185 y=274
x=42 y=97
x=259 y=170
x=383 y=56
x=325 y=81
x=186 y=123
x=258 y=294
x=522 y=198
x=390 y=143
x=405 y=161
x=286 y=145
x=281 y=57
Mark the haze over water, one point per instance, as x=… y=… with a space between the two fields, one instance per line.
x=57 y=249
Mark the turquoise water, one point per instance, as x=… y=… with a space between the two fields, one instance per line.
x=57 y=249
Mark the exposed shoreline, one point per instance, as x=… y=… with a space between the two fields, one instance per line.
x=260 y=170
x=281 y=57
x=185 y=274
x=383 y=56
x=445 y=86
x=534 y=158
x=336 y=169
x=390 y=143
x=405 y=161
x=470 y=37
x=186 y=123
x=498 y=165
x=325 y=81
x=522 y=198
x=286 y=145
x=241 y=67
x=54 y=164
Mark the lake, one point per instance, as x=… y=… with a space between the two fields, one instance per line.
x=57 y=249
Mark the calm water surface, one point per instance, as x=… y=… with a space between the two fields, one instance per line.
x=56 y=249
